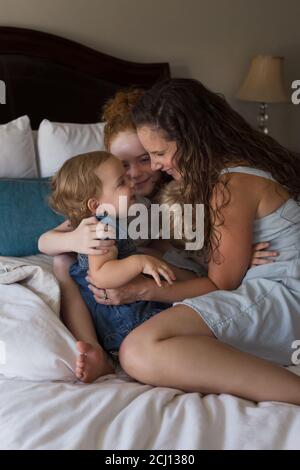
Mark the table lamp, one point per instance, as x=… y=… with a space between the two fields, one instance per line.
x=264 y=84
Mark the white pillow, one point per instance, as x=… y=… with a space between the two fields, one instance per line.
x=34 y=343
x=57 y=142
x=17 y=154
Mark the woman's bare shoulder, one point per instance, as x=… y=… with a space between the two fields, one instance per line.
x=235 y=186
x=265 y=194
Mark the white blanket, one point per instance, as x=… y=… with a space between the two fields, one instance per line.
x=42 y=406
x=36 y=344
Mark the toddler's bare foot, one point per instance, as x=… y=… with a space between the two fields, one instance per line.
x=91 y=362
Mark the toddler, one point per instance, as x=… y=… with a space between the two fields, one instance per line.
x=84 y=186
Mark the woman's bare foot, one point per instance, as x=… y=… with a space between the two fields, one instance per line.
x=91 y=363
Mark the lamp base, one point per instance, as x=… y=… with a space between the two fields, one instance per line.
x=263 y=118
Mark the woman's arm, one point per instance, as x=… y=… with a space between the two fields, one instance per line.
x=235 y=251
x=226 y=272
x=180 y=290
x=230 y=262
x=64 y=239
x=146 y=289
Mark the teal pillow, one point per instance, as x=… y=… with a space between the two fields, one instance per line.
x=24 y=215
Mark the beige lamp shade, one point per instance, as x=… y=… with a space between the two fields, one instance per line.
x=264 y=82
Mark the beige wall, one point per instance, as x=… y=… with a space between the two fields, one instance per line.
x=211 y=40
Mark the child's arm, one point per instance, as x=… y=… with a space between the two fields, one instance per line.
x=107 y=272
x=56 y=241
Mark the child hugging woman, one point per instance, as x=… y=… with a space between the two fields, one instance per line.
x=122 y=140
x=85 y=185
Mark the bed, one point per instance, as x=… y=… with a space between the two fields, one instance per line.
x=42 y=406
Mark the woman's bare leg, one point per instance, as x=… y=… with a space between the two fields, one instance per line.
x=92 y=361
x=176 y=349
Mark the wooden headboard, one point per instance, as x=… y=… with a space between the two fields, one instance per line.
x=47 y=76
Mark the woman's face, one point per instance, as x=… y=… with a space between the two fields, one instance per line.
x=161 y=151
x=127 y=147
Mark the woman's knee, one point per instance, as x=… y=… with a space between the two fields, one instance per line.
x=135 y=356
x=61 y=265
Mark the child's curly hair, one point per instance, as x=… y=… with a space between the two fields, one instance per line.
x=117 y=113
x=75 y=183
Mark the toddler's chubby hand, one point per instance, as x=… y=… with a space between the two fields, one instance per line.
x=156 y=268
x=87 y=239
x=262 y=255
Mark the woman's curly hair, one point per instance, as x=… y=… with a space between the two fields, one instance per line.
x=210 y=135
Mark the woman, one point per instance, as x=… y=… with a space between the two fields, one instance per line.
x=249 y=185
x=122 y=140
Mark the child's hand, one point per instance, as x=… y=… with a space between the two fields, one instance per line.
x=84 y=239
x=260 y=255
x=156 y=268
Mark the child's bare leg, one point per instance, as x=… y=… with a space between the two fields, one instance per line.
x=92 y=361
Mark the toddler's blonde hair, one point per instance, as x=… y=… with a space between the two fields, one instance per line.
x=75 y=183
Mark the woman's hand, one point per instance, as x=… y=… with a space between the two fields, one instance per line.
x=156 y=267
x=260 y=256
x=127 y=294
x=85 y=238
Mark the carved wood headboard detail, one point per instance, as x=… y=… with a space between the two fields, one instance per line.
x=47 y=76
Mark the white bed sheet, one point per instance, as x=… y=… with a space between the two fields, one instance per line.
x=119 y=413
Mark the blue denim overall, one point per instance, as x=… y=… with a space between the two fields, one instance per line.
x=113 y=322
